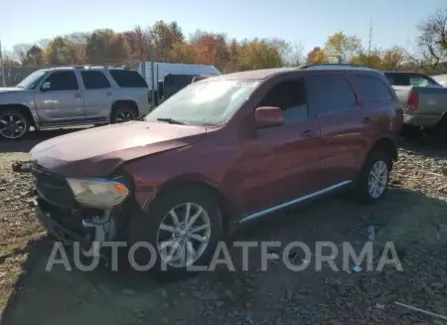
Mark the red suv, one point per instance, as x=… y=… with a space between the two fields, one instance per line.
x=219 y=153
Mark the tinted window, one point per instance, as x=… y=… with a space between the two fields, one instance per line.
x=422 y=81
x=409 y=79
x=179 y=80
x=128 y=79
x=94 y=80
x=291 y=97
x=329 y=94
x=63 y=80
x=374 y=89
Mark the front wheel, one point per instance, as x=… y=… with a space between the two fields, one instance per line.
x=183 y=228
x=373 y=180
x=13 y=124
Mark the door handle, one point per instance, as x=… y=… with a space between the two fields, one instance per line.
x=109 y=93
x=307 y=133
x=77 y=95
x=366 y=120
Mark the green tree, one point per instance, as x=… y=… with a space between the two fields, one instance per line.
x=34 y=57
x=342 y=46
x=316 y=56
x=60 y=51
x=163 y=39
x=259 y=54
x=105 y=47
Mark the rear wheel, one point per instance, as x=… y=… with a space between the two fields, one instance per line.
x=373 y=180
x=13 y=124
x=123 y=113
x=410 y=132
x=183 y=229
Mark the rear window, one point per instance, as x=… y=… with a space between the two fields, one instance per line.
x=374 y=89
x=128 y=79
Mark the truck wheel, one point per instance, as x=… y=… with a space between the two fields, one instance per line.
x=13 y=124
x=410 y=132
x=183 y=229
x=123 y=113
x=372 y=182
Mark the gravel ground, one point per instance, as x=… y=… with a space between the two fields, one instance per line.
x=413 y=216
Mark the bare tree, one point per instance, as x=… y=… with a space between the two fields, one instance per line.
x=432 y=40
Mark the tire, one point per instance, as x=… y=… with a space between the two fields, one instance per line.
x=146 y=228
x=363 y=190
x=410 y=132
x=16 y=118
x=123 y=113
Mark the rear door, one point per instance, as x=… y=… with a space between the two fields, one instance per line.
x=345 y=127
x=59 y=98
x=98 y=96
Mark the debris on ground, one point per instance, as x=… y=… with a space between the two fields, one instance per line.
x=413 y=216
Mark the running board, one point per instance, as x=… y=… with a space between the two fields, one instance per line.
x=295 y=201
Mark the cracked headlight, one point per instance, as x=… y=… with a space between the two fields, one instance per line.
x=98 y=193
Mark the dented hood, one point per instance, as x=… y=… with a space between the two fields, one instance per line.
x=98 y=151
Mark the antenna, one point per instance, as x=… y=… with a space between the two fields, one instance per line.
x=370 y=37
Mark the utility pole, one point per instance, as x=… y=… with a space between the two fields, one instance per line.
x=152 y=73
x=370 y=37
x=2 y=66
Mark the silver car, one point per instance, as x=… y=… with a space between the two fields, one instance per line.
x=72 y=96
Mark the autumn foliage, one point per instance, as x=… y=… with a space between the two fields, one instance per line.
x=167 y=43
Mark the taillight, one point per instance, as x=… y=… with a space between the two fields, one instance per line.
x=412 y=101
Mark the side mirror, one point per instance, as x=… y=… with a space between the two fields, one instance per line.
x=268 y=116
x=46 y=86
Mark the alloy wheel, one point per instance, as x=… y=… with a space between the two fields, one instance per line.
x=183 y=235
x=124 y=115
x=377 y=179
x=12 y=125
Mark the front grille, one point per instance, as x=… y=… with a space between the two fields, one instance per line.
x=53 y=188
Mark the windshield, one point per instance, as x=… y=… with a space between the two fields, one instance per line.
x=32 y=80
x=205 y=103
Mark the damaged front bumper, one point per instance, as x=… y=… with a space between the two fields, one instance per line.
x=62 y=216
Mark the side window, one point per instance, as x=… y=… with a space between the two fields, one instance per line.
x=330 y=94
x=94 y=80
x=62 y=80
x=291 y=97
x=374 y=89
x=128 y=79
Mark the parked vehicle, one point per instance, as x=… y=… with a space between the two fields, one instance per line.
x=218 y=154
x=172 y=76
x=423 y=99
x=441 y=79
x=198 y=78
x=72 y=96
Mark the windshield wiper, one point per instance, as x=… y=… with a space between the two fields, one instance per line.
x=169 y=120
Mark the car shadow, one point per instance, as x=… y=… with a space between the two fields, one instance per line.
x=31 y=139
x=62 y=296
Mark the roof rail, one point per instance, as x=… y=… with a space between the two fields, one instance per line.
x=335 y=66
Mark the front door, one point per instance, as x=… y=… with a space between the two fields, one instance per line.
x=97 y=94
x=59 y=98
x=282 y=163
